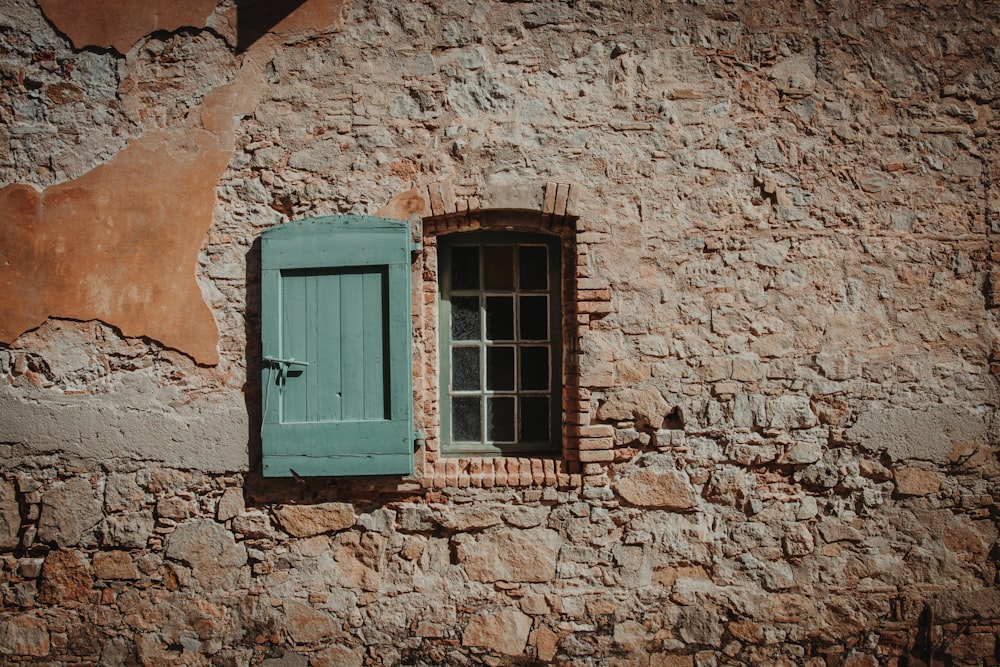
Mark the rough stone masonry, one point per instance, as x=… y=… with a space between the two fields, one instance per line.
x=780 y=441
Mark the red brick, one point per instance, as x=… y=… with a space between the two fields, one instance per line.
x=592 y=444
x=595 y=431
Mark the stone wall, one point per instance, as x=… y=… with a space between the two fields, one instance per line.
x=780 y=441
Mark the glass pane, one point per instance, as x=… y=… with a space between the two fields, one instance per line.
x=500 y=419
x=533 y=267
x=535 y=418
x=465 y=317
x=534 y=368
x=500 y=368
x=465 y=369
x=465 y=267
x=534 y=318
x=466 y=419
x=500 y=318
x=499 y=265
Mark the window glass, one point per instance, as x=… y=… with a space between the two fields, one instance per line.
x=499 y=269
x=534 y=418
x=500 y=368
x=465 y=317
x=534 y=317
x=533 y=267
x=466 y=418
x=499 y=352
x=500 y=419
x=500 y=318
x=465 y=368
x=534 y=368
x=465 y=267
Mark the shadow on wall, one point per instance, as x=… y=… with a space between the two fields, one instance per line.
x=255 y=18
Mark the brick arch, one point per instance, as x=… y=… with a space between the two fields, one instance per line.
x=553 y=202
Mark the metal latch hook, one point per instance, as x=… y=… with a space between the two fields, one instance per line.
x=283 y=365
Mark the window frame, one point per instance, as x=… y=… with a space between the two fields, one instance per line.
x=554 y=344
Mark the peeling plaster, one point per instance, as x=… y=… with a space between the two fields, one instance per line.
x=119 y=24
x=120 y=243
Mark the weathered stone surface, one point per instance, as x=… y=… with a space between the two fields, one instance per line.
x=211 y=437
x=758 y=222
x=306 y=624
x=699 y=625
x=470 y=518
x=791 y=412
x=309 y=520
x=511 y=555
x=917 y=481
x=211 y=551
x=337 y=656
x=122 y=493
x=928 y=434
x=127 y=531
x=657 y=487
x=24 y=635
x=114 y=565
x=504 y=631
x=253 y=524
x=646 y=406
x=66 y=577
x=71 y=512
x=231 y=504
x=10 y=516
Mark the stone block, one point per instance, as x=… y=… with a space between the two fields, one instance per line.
x=210 y=550
x=657 y=487
x=114 y=565
x=504 y=631
x=24 y=635
x=70 y=512
x=10 y=516
x=66 y=577
x=231 y=504
x=917 y=481
x=511 y=555
x=309 y=520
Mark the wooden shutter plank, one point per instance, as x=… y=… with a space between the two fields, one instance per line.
x=374 y=340
x=328 y=376
x=293 y=394
x=352 y=347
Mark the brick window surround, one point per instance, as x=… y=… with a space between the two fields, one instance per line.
x=556 y=209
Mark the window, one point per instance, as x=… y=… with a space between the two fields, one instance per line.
x=500 y=333
x=336 y=370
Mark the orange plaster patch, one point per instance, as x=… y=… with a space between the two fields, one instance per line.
x=119 y=244
x=121 y=23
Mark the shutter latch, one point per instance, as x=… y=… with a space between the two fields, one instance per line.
x=283 y=365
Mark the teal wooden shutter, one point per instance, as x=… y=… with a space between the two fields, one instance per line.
x=335 y=334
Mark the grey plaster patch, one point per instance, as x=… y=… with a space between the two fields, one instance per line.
x=928 y=434
x=208 y=435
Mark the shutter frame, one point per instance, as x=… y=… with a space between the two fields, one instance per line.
x=333 y=253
